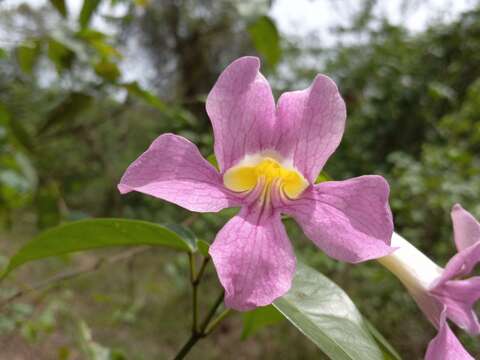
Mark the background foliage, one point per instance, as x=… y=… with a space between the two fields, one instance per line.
x=81 y=95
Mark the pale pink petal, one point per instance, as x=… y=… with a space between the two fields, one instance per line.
x=253 y=258
x=465 y=228
x=349 y=220
x=173 y=169
x=445 y=346
x=242 y=110
x=461 y=264
x=459 y=296
x=310 y=125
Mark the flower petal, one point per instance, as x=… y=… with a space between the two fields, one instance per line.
x=311 y=124
x=459 y=296
x=465 y=228
x=349 y=220
x=173 y=169
x=445 y=346
x=254 y=259
x=242 y=110
x=461 y=264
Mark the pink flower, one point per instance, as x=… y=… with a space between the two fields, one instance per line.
x=269 y=157
x=443 y=293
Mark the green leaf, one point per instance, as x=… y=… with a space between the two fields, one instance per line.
x=213 y=160
x=257 y=319
x=71 y=106
x=323 y=176
x=266 y=39
x=60 y=54
x=107 y=70
x=88 y=9
x=203 y=247
x=389 y=353
x=60 y=6
x=134 y=89
x=3 y=53
x=325 y=314
x=27 y=56
x=93 y=234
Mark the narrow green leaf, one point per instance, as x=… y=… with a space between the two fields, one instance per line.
x=93 y=234
x=27 y=56
x=266 y=39
x=60 y=6
x=325 y=314
x=67 y=110
x=88 y=9
x=136 y=90
x=257 y=319
x=389 y=353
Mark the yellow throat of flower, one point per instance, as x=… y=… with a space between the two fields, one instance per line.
x=246 y=175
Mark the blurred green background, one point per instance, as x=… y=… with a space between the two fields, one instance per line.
x=85 y=87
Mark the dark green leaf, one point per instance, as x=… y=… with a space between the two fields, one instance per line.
x=325 y=314
x=60 y=6
x=257 y=319
x=93 y=234
x=107 y=70
x=88 y=9
x=73 y=105
x=266 y=39
x=16 y=130
x=27 y=56
x=61 y=55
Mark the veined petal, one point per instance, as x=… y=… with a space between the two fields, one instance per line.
x=349 y=220
x=445 y=346
x=466 y=229
x=310 y=125
x=253 y=258
x=242 y=110
x=459 y=296
x=173 y=169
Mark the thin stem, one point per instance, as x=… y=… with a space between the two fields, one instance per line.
x=215 y=322
x=194 y=282
x=197 y=335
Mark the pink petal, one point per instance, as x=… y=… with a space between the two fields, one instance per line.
x=445 y=346
x=311 y=124
x=349 y=220
x=465 y=228
x=242 y=110
x=459 y=296
x=254 y=259
x=173 y=169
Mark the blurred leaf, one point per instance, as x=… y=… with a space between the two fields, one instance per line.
x=88 y=9
x=71 y=106
x=389 y=353
x=3 y=53
x=60 y=6
x=323 y=176
x=27 y=56
x=47 y=205
x=203 y=247
x=15 y=129
x=134 y=89
x=266 y=39
x=92 y=349
x=325 y=314
x=257 y=319
x=94 y=234
x=107 y=70
x=61 y=55
x=213 y=160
